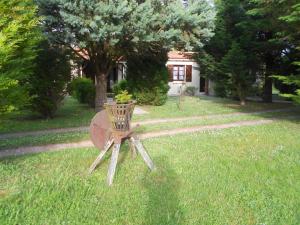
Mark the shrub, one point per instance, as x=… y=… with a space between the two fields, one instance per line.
x=142 y=94
x=190 y=91
x=12 y=95
x=220 y=89
x=47 y=84
x=122 y=85
x=147 y=78
x=157 y=96
x=83 y=90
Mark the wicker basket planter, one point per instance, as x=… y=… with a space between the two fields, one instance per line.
x=120 y=115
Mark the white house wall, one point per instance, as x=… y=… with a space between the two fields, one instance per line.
x=176 y=85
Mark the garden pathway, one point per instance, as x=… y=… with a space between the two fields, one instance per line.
x=56 y=147
x=145 y=122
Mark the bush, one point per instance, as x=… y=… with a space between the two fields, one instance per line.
x=190 y=91
x=83 y=90
x=47 y=84
x=147 y=78
x=144 y=96
x=157 y=96
x=122 y=85
x=12 y=95
x=220 y=89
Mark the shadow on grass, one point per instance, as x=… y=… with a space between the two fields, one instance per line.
x=259 y=106
x=162 y=187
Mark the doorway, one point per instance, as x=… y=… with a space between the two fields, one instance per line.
x=202 y=84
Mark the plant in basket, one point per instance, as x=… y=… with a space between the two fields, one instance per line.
x=120 y=111
x=123 y=98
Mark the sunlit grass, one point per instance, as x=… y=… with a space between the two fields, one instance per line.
x=246 y=175
x=76 y=136
x=73 y=114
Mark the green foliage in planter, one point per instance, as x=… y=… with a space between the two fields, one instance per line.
x=83 y=90
x=123 y=98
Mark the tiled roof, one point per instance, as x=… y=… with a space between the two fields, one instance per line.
x=180 y=55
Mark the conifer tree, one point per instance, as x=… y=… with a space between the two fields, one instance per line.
x=102 y=30
x=291 y=33
x=235 y=67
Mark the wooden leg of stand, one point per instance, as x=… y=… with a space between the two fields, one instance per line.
x=113 y=163
x=100 y=156
x=132 y=148
x=143 y=153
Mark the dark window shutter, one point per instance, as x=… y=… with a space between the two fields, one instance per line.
x=170 y=71
x=188 y=73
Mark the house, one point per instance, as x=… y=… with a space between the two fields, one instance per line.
x=183 y=70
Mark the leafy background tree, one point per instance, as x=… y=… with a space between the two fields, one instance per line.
x=106 y=30
x=19 y=36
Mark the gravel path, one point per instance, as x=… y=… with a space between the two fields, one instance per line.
x=146 y=122
x=57 y=147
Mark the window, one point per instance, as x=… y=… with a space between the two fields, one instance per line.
x=178 y=73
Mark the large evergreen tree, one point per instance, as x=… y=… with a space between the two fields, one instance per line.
x=267 y=44
x=229 y=51
x=234 y=65
x=106 y=30
x=291 y=34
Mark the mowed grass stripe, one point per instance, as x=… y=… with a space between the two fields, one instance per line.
x=56 y=147
x=83 y=135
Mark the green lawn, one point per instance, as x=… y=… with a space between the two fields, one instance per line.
x=73 y=114
x=82 y=135
x=204 y=105
x=246 y=175
x=70 y=114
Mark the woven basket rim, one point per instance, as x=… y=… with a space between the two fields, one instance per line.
x=115 y=103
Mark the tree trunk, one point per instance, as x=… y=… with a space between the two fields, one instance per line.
x=242 y=102
x=267 y=91
x=267 y=94
x=101 y=87
x=242 y=96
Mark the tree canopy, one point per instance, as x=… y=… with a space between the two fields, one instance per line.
x=102 y=31
x=267 y=32
x=19 y=35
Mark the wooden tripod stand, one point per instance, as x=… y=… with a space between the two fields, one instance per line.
x=119 y=116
